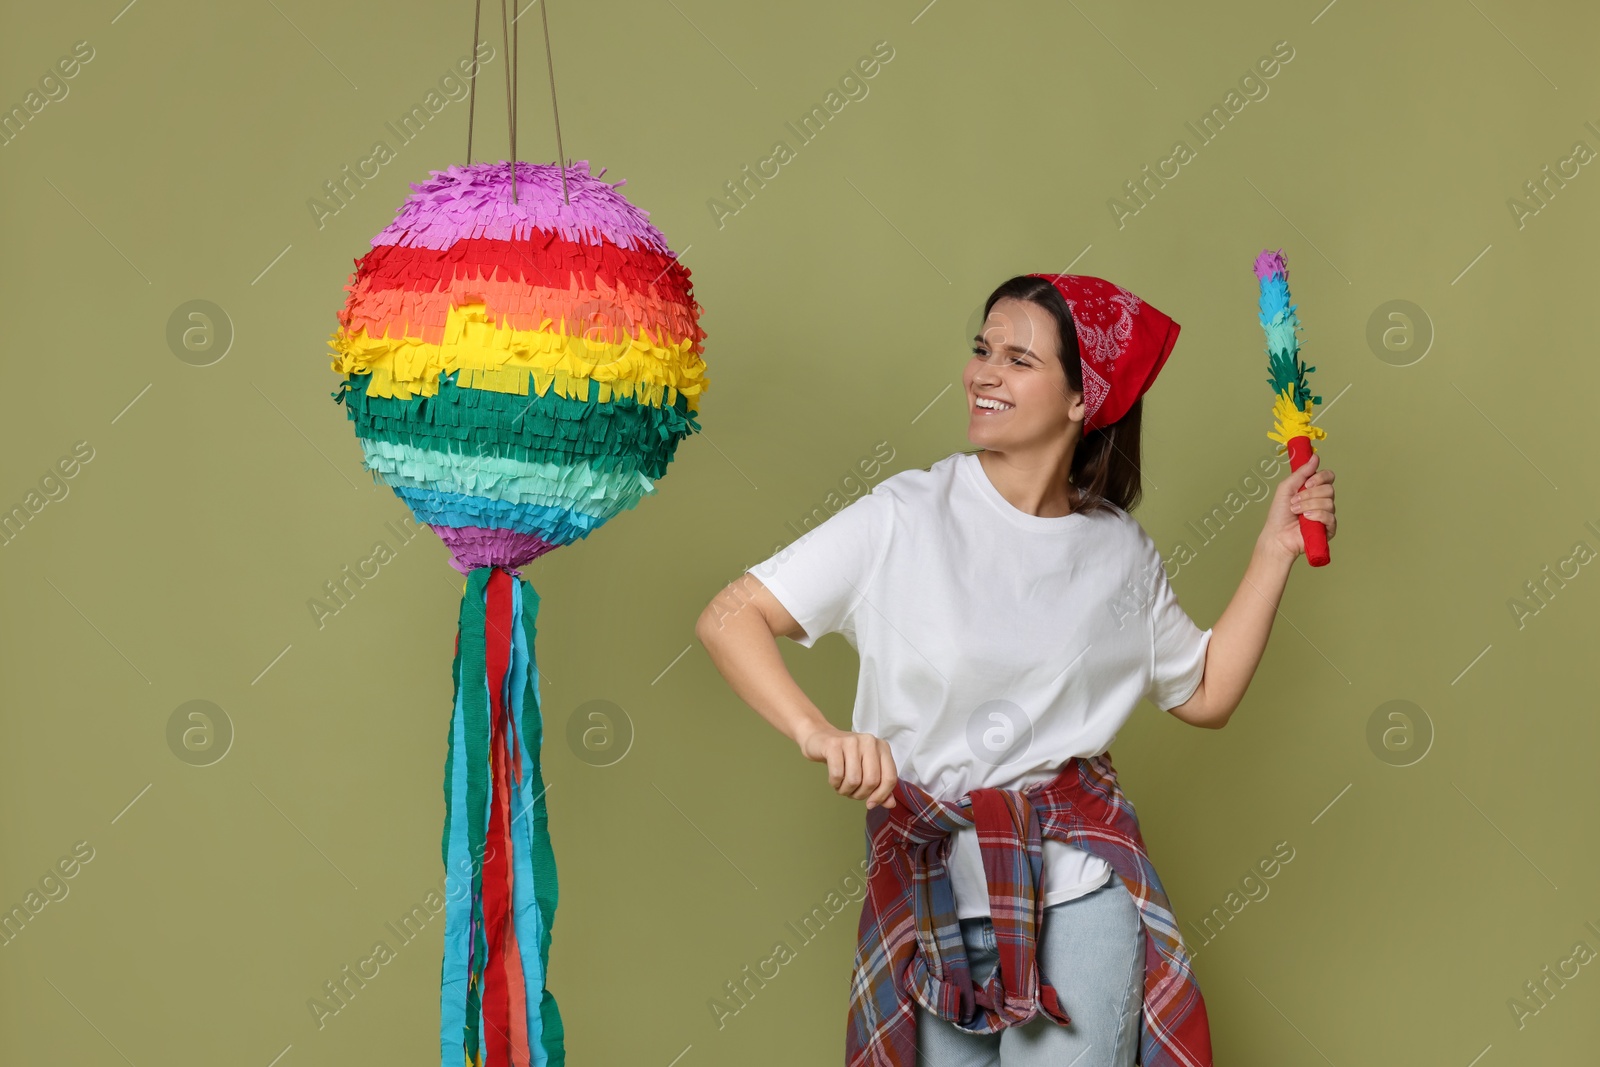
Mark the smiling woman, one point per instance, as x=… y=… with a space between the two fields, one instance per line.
x=1010 y=615
x=1026 y=386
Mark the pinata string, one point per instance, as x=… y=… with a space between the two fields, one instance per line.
x=472 y=81
x=561 y=156
x=509 y=38
x=511 y=97
x=516 y=55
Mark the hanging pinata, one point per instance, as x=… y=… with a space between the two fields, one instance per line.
x=518 y=371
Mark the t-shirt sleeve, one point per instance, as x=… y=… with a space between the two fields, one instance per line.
x=1177 y=645
x=822 y=576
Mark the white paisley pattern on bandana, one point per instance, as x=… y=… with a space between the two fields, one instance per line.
x=1123 y=342
x=1095 y=391
x=1105 y=324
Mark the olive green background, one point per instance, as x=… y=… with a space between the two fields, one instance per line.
x=1442 y=847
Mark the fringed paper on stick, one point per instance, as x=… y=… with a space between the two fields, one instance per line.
x=518 y=372
x=1291 y=407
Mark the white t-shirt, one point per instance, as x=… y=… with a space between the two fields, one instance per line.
x=994 y=644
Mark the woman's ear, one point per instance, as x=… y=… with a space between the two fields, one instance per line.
x=1077 y=410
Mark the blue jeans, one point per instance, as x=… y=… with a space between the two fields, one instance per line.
x=1091 y=948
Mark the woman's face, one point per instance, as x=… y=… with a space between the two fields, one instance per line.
x=1016 y=364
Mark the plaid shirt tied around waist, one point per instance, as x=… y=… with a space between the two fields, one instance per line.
x=908 y=944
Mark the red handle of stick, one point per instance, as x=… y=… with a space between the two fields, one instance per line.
x=1312 y=532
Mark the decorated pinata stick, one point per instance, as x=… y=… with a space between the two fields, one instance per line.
x=1291 y=409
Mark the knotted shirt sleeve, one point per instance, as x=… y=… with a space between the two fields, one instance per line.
x=823 y=576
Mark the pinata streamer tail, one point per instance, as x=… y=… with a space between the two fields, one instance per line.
x=1292 y=398
x=494 y=1008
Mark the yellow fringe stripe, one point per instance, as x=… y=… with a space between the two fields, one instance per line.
x=1291 y=422
x=489 y=356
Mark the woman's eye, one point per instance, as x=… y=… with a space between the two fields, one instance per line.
x=983 y=353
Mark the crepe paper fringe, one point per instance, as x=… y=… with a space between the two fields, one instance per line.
x=1292 y=396
x=407 y=291
x=513 y=481
x=450 y=456
x=474 y=200
x=544 y=429
x=471 y=547
x=495 y=1007
x=1290 y=422
x=518 y=371
x=544 y=259
x=598 y=313
x=549 y=522
x=552 y=524
x=1286 y=372
x=492 y=356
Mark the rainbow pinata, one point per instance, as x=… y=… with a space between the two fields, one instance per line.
x=519 y=372
x=519 y=369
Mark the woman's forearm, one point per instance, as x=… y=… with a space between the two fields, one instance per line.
x=745 y=653
x=1239 y=636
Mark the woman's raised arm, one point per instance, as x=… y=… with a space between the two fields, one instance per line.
x=1240 y=636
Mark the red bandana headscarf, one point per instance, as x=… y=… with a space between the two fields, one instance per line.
x=1123 y=343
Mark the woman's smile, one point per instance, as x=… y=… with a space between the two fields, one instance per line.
x=988 y=405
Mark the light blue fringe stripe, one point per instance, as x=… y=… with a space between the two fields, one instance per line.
x=526 y=917
x=454 y=973
x=559 y=526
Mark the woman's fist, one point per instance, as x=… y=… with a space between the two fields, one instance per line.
x=1306 y=491
x=859 y=765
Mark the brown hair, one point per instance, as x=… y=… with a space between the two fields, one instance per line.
x=1105 y=464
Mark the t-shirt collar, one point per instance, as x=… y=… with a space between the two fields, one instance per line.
x=973 y=471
